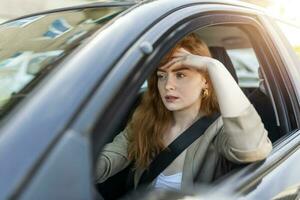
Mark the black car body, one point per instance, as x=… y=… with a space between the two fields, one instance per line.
x=53 y=128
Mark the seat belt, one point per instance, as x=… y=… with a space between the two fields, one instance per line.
x=169 y=154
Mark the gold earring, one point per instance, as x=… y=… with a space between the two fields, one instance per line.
x=205 y=92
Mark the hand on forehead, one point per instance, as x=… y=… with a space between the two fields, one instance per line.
x=176 y=59
x=180 y=53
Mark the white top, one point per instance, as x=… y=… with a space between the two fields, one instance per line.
x=172 y=182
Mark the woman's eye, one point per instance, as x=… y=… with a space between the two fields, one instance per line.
x=161 y=76
x=180 y=75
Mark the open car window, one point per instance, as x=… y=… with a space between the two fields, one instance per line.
x=244 y=70
x=235 y=50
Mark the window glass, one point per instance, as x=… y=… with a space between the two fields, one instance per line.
x=246 y=66
x=29 y=47
x=57 y=28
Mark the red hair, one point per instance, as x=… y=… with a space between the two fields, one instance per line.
x=151 y=118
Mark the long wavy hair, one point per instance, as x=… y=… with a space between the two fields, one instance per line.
x=151 y=118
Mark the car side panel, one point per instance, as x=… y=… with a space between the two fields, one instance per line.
x=66 y=172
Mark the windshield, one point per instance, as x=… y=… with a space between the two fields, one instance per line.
x=31 y=47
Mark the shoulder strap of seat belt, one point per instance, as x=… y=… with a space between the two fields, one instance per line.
x=169 y=154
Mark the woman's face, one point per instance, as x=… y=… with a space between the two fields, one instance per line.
x=180 y=87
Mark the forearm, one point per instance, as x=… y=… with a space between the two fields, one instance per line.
x=243 y=139
x=113 y=158
x=231 y=98
x=108 y=164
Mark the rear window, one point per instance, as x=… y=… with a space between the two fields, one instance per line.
x=30 y=47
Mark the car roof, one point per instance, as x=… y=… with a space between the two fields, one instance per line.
x=169 y=3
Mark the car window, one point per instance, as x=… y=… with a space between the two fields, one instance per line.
x=235 y=50
x=30 y=47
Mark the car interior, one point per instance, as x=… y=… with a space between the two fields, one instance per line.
x=234 y=49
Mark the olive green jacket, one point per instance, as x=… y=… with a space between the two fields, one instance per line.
x=241 y=139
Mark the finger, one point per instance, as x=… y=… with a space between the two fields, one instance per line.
x=181 y=52
x=172 y=62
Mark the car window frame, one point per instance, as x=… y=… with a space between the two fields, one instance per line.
x=252 y=21
x=288 y=143
x=289 y=59
x=285 y=84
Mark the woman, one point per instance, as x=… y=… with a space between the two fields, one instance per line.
x=187 y=86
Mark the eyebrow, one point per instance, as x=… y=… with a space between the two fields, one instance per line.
x=175 y=70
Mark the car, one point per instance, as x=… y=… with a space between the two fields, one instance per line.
x=70 y=79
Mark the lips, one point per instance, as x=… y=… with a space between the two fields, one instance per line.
x=170 y=98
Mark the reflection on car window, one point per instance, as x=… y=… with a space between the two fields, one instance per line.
x=22 y=22
x=290 y=193
x=57 y=28
x=32 y=46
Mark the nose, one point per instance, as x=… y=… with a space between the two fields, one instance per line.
x=170 y=83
